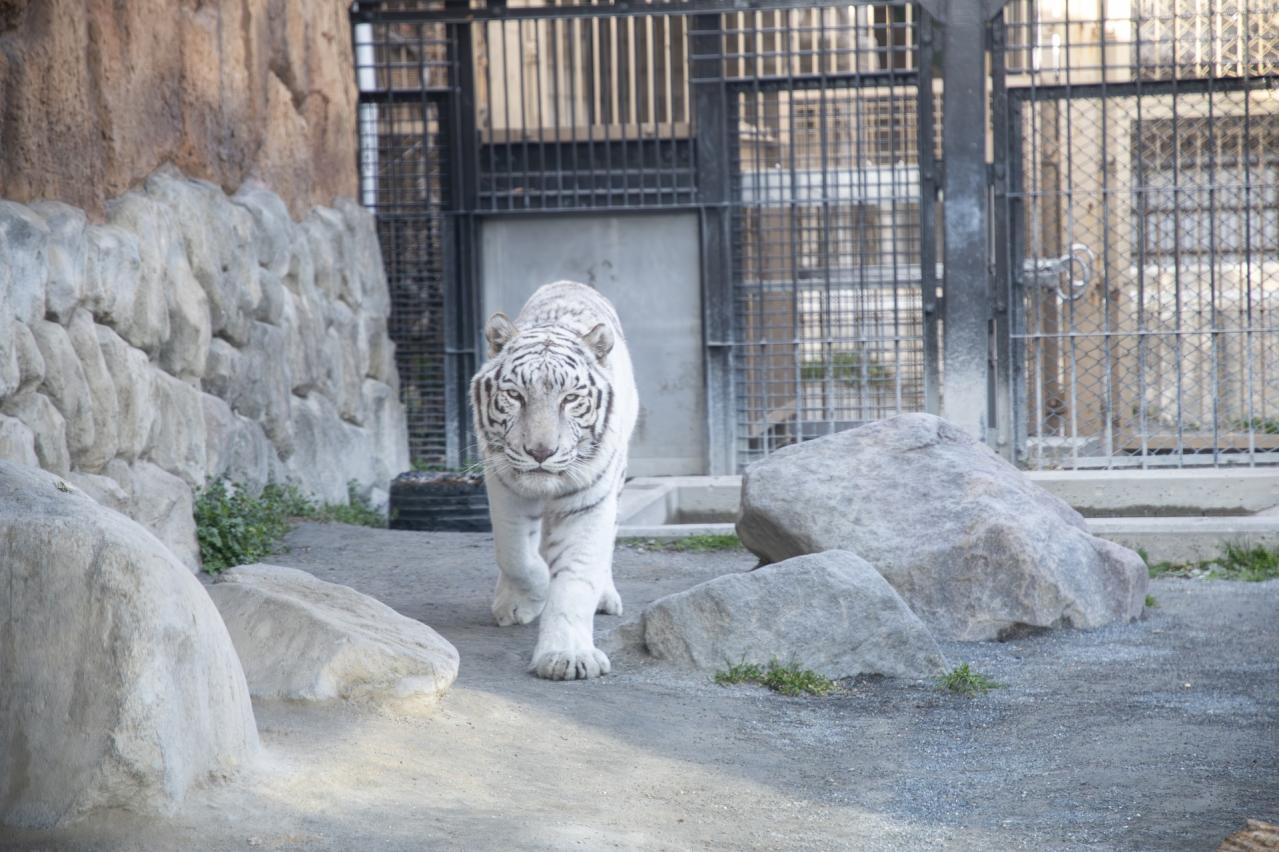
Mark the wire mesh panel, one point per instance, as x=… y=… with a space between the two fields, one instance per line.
x=829 y=266
x=404 y=76
x=1142 y=141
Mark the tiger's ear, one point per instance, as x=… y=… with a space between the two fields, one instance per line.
x=599 y=340
x=498 y=331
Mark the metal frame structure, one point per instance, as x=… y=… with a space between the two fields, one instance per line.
x=809 y=139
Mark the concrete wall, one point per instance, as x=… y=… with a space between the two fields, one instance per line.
x=192 y=336
x=648 y=265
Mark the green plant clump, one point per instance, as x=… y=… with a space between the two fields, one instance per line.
x=850 y=368
x=705 y=543
x=1152 y=602
x=788 y=679
x=1239 y=562
x=965 y=681
x=234 y=526
x=357 y=511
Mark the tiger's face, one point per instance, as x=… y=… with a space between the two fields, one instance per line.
x=542 y=402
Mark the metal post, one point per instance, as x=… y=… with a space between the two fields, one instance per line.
x=966 y=309
x=713 y=147
x=461 y=302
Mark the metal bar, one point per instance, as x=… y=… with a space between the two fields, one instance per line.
x=928 y=215
x=1152 y=88
x=967 y=307
x=1005 y=413
x=462 y=302
x=713 y=151
x=371 y=11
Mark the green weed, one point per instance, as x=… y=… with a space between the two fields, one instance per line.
x=849 y=368
x=788 y=680
x=1238 y=562
x=965 y=681
x=235 y=526
x=1152 y=602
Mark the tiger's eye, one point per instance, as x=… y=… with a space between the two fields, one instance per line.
x=570 y=398
x=514 y=395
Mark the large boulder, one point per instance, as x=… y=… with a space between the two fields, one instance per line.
x=974 y=547
x=304 y=639
x=121 y=688
x=830 y=612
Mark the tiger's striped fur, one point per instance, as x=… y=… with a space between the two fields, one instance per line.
x=555 y=406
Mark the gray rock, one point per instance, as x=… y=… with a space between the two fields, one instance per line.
x=66 y=386
x=237 y=447
x=106 y=411
x=220 y=241
x=273 y=227
x=41 y=416
x=972 y=545
x=30 y=361
x=122 y=689
x=304 y=330
x=303 y=639
x=24 y=273
x=386 y=422
x=830 y=612
x=328 y=452
x=10 y=369
x=365 y=257
x=147 y=326
x=17 y=442
x=381 y=352
x=67 y=252
x=323 y=232
x=131 y=372
x=112 y=274
x=164 y=504
x=184 y=339
x=179 y=443
x=104 y=490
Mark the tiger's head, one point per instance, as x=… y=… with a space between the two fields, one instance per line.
x=542 y=402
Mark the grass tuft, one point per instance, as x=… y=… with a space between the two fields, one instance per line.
x=1152 y=602
x=689 y=544
x=235 y=526
x=1239 y=563
x=964 y=681
x=706 y=543
x=788 y=680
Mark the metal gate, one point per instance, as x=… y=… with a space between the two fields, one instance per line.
x=833 y=257
x=792 y=130
x=1137 y=193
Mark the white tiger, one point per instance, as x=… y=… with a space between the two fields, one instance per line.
x=555 y=405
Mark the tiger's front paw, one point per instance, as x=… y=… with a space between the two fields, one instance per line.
x=571 y=664
x=513 y=605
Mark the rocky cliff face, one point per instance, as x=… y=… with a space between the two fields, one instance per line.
x=196 y=335
x=97 y=94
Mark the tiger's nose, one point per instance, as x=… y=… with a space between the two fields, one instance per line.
x=540 y=453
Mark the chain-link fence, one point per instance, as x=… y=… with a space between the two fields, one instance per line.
x=1143 y=222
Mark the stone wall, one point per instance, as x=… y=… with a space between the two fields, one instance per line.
x=192 y=336
x=97 y=94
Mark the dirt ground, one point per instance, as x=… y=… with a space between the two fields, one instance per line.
x=1162 y=734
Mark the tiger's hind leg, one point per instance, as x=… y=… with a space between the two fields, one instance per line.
x=523 y=578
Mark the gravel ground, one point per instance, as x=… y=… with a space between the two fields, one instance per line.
x=1162 y=734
